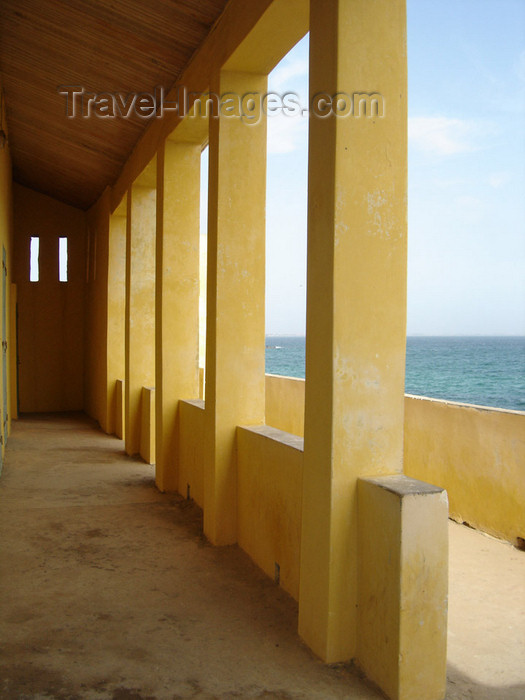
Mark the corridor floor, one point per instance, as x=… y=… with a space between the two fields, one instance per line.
x=109 y=590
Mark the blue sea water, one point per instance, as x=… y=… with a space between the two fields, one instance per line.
x=479 y=370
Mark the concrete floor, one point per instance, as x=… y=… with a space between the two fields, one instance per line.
x=109 y=590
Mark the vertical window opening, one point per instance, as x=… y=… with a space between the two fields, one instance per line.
x=62 y=259
x=203 y=264
x=286 y=219
x=34 y=249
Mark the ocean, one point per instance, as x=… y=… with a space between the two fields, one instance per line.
x=479 y=370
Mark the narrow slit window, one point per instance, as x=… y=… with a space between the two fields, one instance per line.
x=62 y=259
x=203 y=263
x=34 y=249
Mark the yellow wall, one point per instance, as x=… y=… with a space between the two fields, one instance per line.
x=235 y=298
x=116 y=308
x=176 y=299
x=285 y=403
x=105 y=302
x=477 y=455
x=12 y=383
x=269 y=492
x=191 y=450
x=96 y=327
x=6 y=238
x=50 y=313
x=119 y=417
x=147 y=432
x=140 y=305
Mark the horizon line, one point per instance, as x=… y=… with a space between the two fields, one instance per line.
x=419 y=335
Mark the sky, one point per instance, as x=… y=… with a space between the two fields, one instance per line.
x=466 y=182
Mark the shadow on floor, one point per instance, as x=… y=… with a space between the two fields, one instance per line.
x=461 y=687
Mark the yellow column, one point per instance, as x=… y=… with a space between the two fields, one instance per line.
x=147 y=434
x=116 y=311
x=355 y=348
x=235 y=298
x=120 y=406
x=140 y=306
x=177 y=298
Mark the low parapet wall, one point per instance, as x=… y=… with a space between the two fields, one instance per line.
x=285 y=403
x=191 y=455
x=401 y=535
x=476 y=453
x=269 y=501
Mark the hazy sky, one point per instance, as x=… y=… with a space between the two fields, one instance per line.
x=466 y=205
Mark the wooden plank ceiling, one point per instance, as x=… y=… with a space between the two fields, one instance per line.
x=125 y=46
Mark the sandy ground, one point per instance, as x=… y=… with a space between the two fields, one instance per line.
x=109 y=590
x=486 y=621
